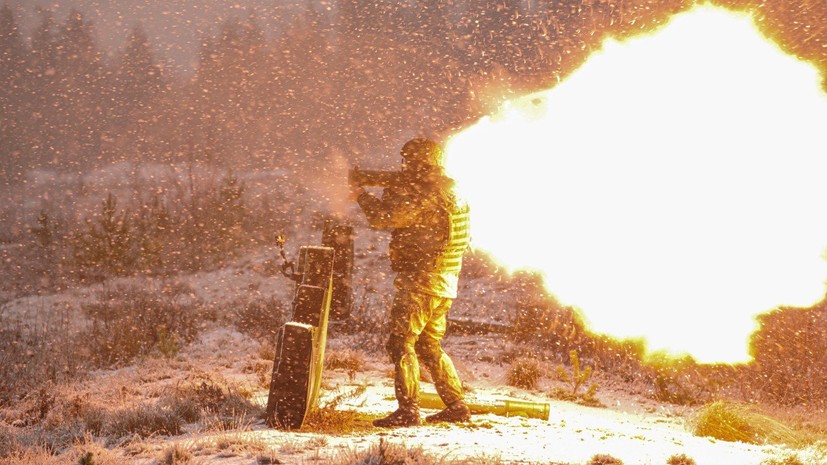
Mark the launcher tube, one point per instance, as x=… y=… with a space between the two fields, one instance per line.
x=502 y=407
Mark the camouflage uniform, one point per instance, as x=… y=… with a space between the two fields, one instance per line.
x=430 y=232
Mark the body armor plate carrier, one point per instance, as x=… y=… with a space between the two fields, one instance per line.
x=435 y=244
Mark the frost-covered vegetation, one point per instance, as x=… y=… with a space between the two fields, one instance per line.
x=131 y=193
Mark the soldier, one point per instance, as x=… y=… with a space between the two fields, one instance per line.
x=430 y=233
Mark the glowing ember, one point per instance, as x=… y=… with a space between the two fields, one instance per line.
x=672 y=188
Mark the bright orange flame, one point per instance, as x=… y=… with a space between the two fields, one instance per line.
x=672 y=188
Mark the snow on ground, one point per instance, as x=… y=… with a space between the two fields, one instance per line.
x=633 y=427
x=636 y=430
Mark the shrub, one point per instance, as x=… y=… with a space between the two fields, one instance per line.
x=524 y=373
x=604 y=459
x=574 y=381
x=789 y=357
x=787 y=460
x=144 y=420
x=729 y=421
x=389 y=454
x=260 y=318
x=329 y=419
x=8 y=441
x=128 y=321
x=176 y=455
x=90 y=453
x=35 y=357
x=210 y=395
x=680 y=459
x=349 y=360
x=367 y=318
x=108 y=245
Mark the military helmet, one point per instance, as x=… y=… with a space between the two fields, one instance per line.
x=423 y=150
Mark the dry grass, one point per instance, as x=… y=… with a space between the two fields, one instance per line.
x=604 y=459
x=259 y=317
x=789 y=349
x=787 y=460
x=730 y=421
x=128 y=321
x=263 y=371
x=176 y=454
x=144 y=420
x=524 y=373
x=86 y=451
x=232 y=438
x=329 y=419
x=211 y=397
x=809 y=424
x=389 y=454
x=351 y=361
x=680 y=459
x=386 y=453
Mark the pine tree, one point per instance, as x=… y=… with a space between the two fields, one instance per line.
x=43 y=96
x=138 y=77
x=12 y=94
x=12 y=49
x=108 y=245
x=81 y=94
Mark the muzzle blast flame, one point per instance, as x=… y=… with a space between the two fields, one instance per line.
x=672 y=188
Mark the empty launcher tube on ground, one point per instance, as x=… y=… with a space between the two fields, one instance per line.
x=502 y=407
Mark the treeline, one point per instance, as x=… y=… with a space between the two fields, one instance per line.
x=345 y=82
x=345 y=77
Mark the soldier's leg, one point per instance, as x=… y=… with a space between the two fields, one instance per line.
x=430 y=352
x=407 y=320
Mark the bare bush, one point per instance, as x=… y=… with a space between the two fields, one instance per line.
x=390 y=454
x=211 y=396
x=367 y=318
x=144 y=420
x=36 y=354
x=127 y=321
x=730 y=421
x=260 y=317
x=176 y=455
x=350 y=361
x=524 y=373
x=790 y=367
x=680 y=459
x=791 y=459
x=605 y=459
x=329 y=419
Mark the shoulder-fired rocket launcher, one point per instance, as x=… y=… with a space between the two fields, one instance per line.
x=374 y=178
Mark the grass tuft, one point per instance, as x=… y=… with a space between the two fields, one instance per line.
x=144 y=420
x=176 y=455
x=605 y=459
x=524 y=373
x=389 y=454
x=329 y=419
x=787 y=460
x=348 y=360
x=734 y=422
x=680 y=459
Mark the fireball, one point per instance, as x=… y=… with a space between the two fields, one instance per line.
x=671 y=189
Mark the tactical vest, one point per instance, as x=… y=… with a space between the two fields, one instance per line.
x=436 y=243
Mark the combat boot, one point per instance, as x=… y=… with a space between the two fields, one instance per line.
x=458 y=412
x=400 y=417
